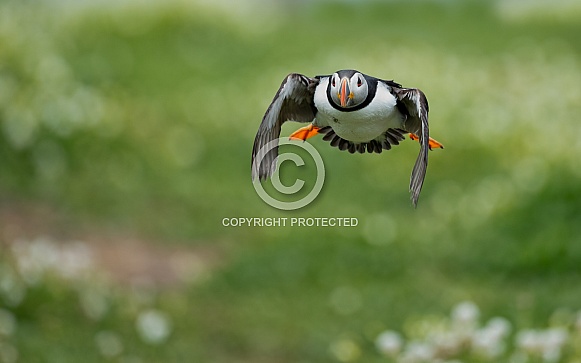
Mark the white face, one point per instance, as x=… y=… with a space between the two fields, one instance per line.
x=348 y=92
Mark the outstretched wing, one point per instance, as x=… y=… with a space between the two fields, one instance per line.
x=413 y=103
x=292 y=102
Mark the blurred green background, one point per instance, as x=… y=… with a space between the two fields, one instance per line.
x=126 y=129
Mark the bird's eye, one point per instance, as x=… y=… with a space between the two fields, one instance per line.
x=333 y=82
x=359 y=82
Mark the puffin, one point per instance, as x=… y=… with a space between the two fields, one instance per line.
x=354 y=112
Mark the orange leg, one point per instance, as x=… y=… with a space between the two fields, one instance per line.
x=433 y=143
x=304 y=133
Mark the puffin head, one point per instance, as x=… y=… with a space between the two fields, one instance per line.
x=348 y=88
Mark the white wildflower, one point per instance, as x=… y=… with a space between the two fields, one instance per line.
x=448 y=343
x=489 y=341
x=547 y=344
x=74 y=259
x=464 y=321
x=33 y=258
x=499 y=327
x=555 y=338
x=42 y=255
x=153 y=326
x=416 y=352
x=389 y=343
x=465 y=315
x=528 y=341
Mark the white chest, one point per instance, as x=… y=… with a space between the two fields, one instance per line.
x=361 y=125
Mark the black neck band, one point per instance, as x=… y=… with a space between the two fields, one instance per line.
x=371 y=90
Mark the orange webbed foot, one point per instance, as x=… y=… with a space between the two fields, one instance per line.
x=433 y=144
x=304 y=133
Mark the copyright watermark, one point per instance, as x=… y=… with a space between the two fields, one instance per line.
x=290 y=222
x=298 y=184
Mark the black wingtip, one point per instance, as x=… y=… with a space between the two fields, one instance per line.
x=414 y=201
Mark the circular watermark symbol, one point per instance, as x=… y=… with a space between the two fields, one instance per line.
x=298 y=184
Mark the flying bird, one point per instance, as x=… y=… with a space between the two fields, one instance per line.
x=354 y=112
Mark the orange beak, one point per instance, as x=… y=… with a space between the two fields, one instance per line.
x=345 y=92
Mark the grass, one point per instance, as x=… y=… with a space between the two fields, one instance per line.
x=141 y=118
